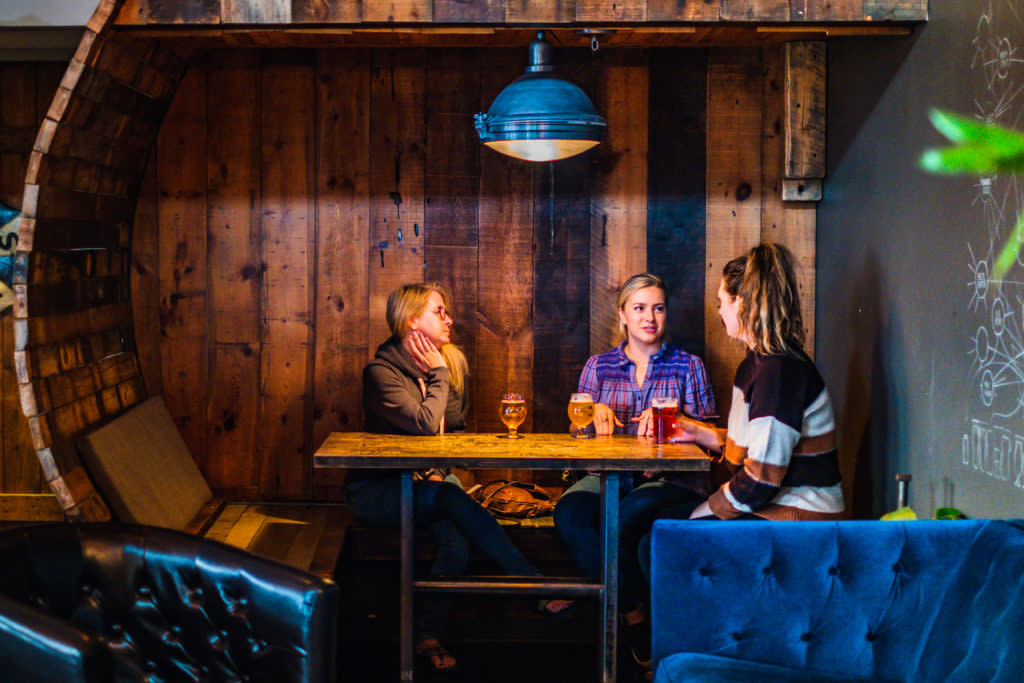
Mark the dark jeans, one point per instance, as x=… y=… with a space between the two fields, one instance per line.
x=578 y=520
x=455 y=520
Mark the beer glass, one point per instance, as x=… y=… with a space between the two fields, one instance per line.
x=513 y=412
x=581 y=413
x=664 y=411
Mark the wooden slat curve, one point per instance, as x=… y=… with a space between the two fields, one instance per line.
x=73 y=356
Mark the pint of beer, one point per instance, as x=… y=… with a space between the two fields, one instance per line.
x=664 y=411
x=581 y=413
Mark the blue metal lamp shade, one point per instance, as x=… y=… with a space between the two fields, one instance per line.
x=540 y=117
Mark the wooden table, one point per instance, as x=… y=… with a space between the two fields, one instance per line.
x=608 y=454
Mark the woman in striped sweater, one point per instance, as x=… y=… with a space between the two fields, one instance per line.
x=780 y=440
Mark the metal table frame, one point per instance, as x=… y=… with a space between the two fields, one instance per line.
x=606 y=589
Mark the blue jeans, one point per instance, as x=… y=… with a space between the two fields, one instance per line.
x=455 y=520
x=578 y=521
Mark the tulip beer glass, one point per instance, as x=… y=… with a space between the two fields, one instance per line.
x=513 y=412
x=664 y=411
x=581 y=413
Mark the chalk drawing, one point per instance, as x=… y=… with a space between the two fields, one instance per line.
x=993 y=442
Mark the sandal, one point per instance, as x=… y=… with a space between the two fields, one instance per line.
x=544 y=606
x=638 y=638
x=427 y=656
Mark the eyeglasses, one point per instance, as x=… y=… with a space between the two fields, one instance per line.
x=442 y=313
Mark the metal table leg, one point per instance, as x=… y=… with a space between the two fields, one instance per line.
x=406 y=578
x=609 y=574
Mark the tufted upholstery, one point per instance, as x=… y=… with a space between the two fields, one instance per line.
x=168 y=606
x=881 y=601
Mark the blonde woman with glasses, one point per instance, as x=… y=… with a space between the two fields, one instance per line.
x=416 y=384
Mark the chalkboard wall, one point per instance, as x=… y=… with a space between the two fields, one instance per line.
x=923 y=352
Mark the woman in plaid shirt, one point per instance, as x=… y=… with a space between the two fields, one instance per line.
x=623 y=381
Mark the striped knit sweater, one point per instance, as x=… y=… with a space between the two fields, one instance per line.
x=780 y=443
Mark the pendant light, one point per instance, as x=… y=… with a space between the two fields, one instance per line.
x=539 y=116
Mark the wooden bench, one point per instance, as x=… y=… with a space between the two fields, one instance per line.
x=144 y=471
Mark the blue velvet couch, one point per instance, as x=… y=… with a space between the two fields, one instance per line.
x=837 y=601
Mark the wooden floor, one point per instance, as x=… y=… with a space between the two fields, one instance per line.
x=304 y=535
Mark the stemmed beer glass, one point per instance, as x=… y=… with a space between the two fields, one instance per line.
x=513 y=413
x=581 y=413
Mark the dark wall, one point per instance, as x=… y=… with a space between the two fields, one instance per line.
x=924 y=355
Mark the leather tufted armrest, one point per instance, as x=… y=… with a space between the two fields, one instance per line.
x=36 y=647
x=175 y=606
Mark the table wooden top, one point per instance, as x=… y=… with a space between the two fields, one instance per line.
x=530 y=451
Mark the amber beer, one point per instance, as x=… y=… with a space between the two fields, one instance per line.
x=513 y=413
x=664 y=411
x=581 y=413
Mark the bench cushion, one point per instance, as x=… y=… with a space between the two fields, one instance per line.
x=690 y=667
x=143 y=468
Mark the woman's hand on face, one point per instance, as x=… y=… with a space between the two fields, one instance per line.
x=643 y=420
x=605 y=420
x=424 y=354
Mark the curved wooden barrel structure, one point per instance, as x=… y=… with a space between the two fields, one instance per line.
x=75 y=356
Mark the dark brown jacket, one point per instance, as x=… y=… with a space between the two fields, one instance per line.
x=395 y=401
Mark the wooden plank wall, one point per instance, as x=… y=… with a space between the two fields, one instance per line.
x=141 y=12
x=321 y=179
x=27 y=89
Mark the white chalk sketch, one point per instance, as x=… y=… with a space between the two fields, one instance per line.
x=993 y=442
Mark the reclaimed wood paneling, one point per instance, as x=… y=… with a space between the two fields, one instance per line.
x=329 y=11
x=754 y=10
x=396 y=180
x=18 y=122
x=505 y=317
x=398 y=11
x=288 y=250
x=343 y=239
x=235 y=271
x=176 y=12
x=676 y=221
x=826 y=10
x=786 y=222
x=518 y=11
x=182 y=214
x=804 y=97
x=498 y=12
x=895 y=10
x=469 y=11
x=683 y=10
x=453 y=187
x=734 y=194
x=256 y=11
x=561 y=278
x=618 y=228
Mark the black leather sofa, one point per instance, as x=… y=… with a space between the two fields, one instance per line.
x=103 y=602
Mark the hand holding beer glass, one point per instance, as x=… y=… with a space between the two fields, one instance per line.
x=664 y=411
x=513 y=413
x=581 y=413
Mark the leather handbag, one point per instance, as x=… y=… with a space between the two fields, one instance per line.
x=513 y=499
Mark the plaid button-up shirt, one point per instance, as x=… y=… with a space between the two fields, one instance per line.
x=610 y=378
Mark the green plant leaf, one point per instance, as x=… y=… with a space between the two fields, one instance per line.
x=979 y=147
x=1010 y=251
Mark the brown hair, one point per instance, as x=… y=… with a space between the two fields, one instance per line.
x=634 y=284
x=769 y=311
x=408 y=301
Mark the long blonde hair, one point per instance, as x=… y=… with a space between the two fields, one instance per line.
x=408 y=301
x=634 y=284
x=769 y=312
